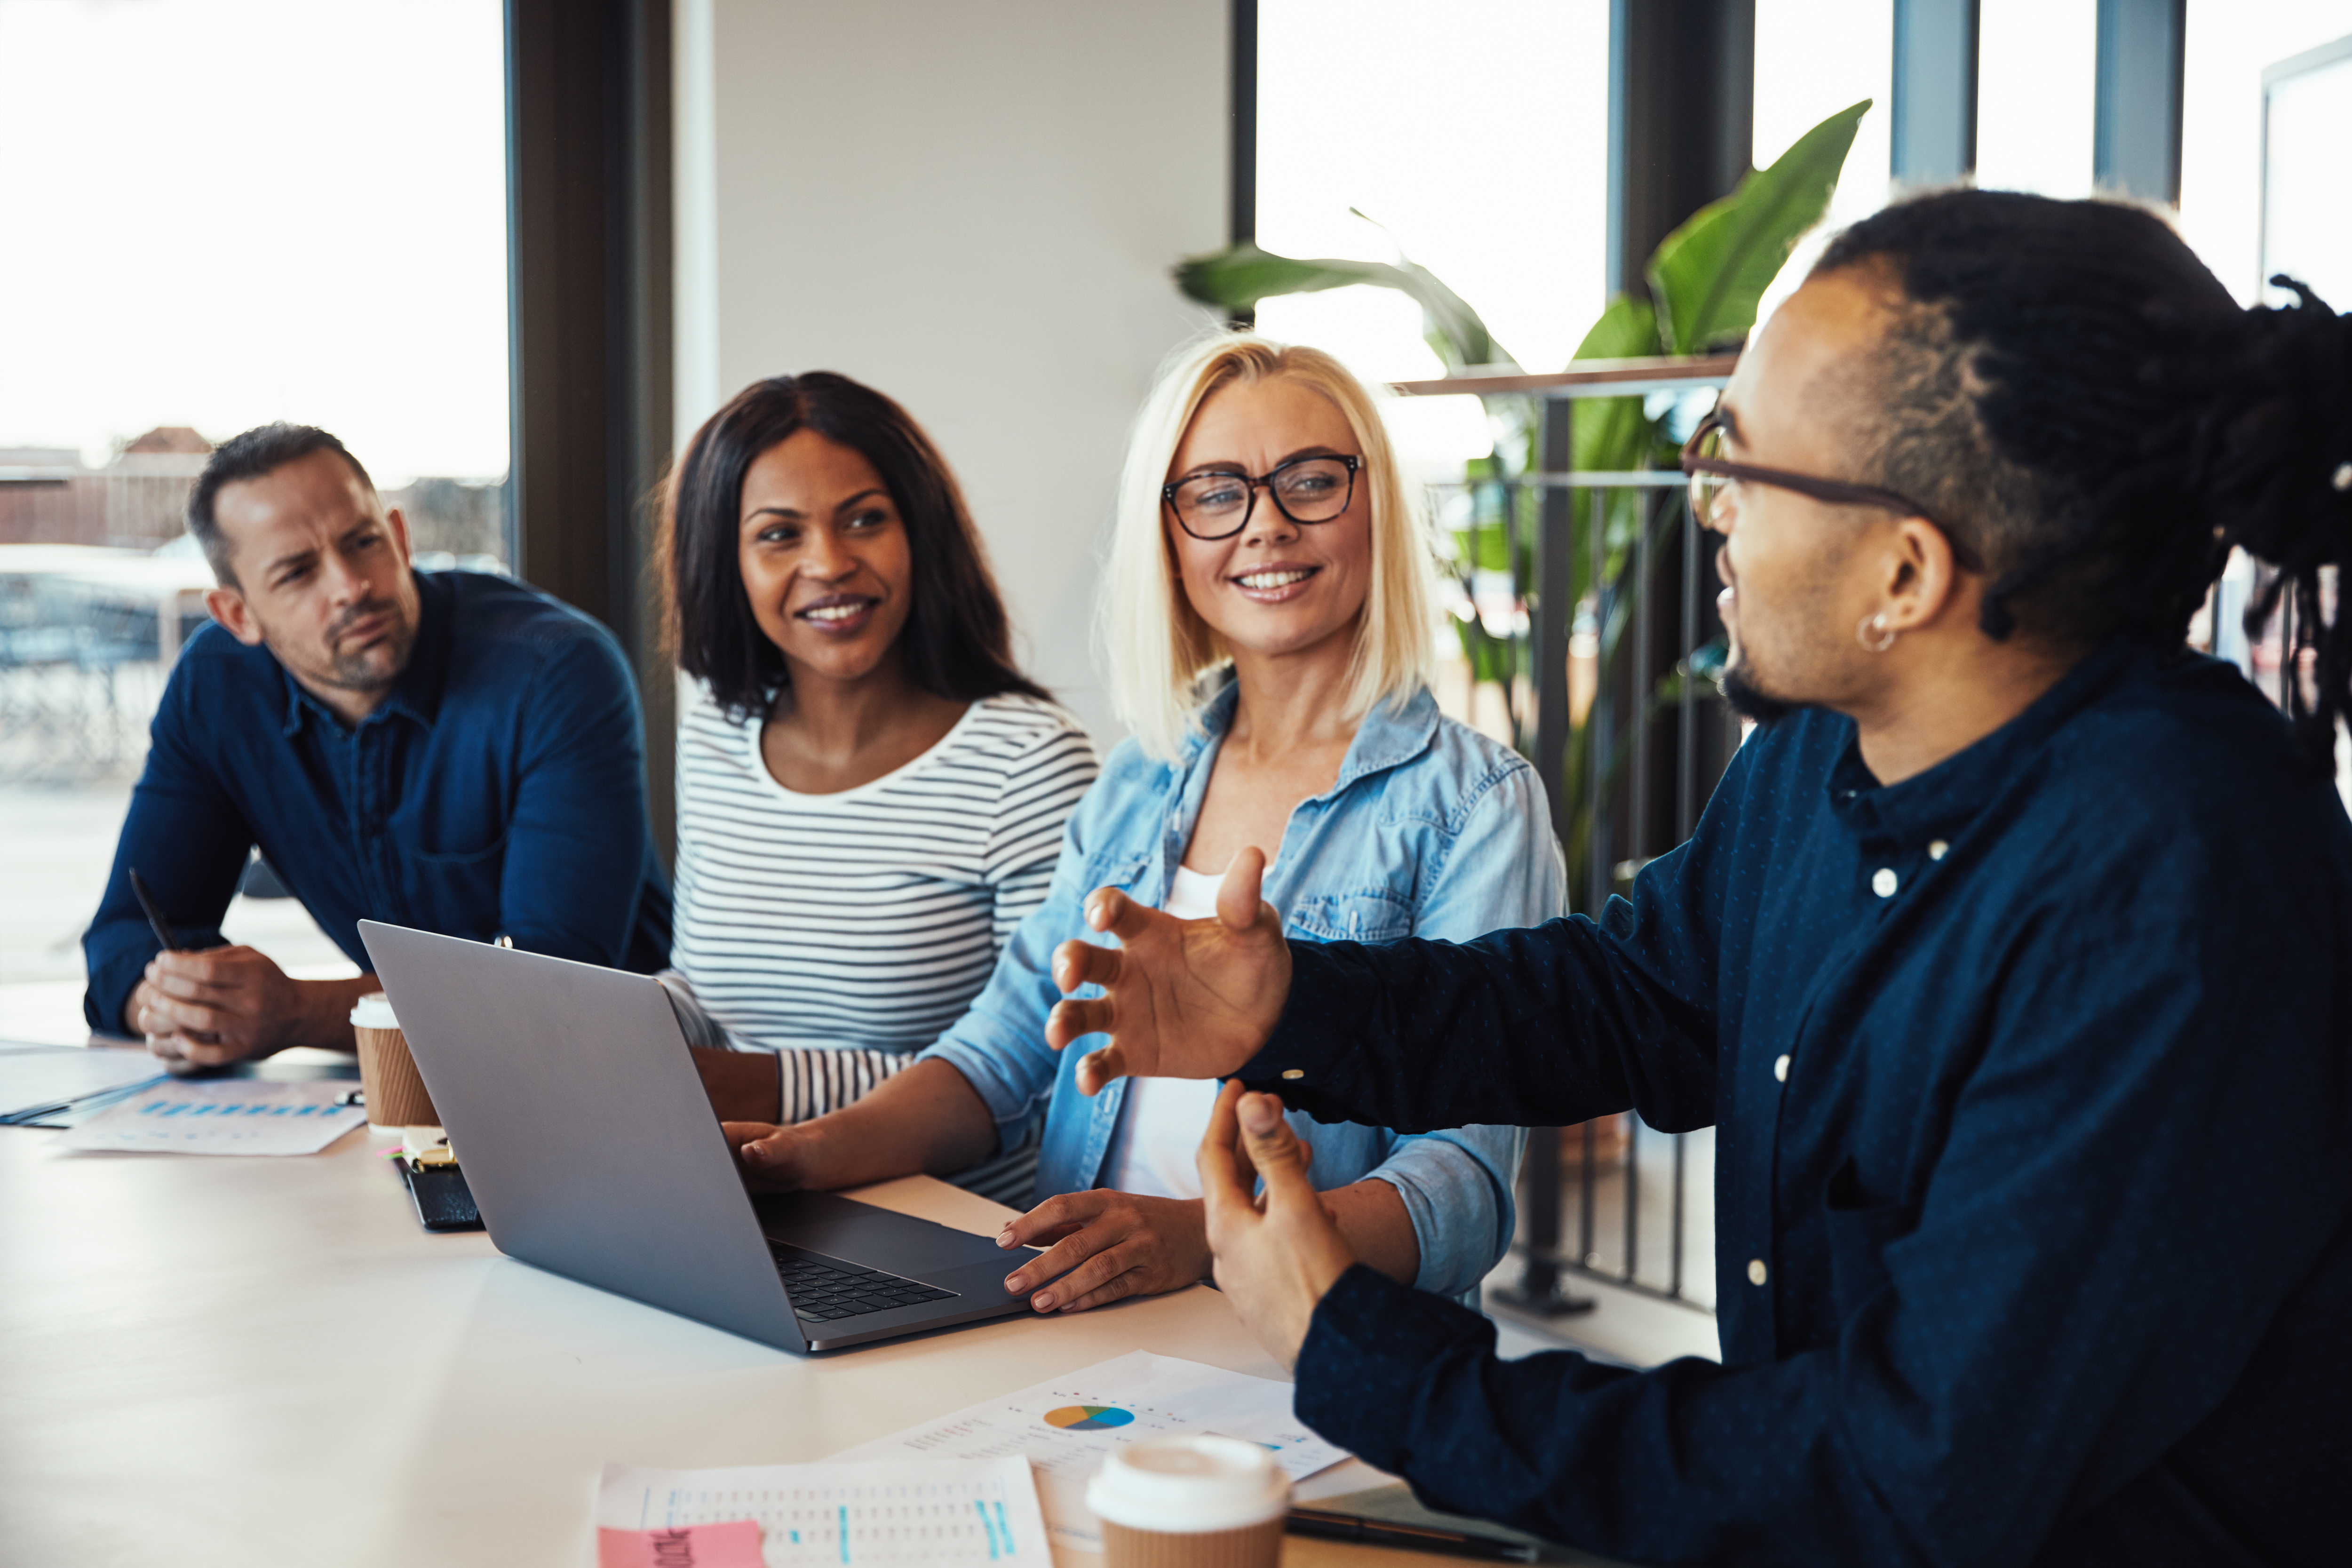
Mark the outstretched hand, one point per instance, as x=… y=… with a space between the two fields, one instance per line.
x=1183 y=998
x=1277 y=1252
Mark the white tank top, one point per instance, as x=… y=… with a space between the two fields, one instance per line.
x=1162 y=1120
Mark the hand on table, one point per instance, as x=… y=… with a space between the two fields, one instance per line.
x=221 y=1005
x=1277 y=1252
x=1106 y=1246
x=1184 y=998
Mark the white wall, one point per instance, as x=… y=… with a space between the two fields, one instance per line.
x=971 y=205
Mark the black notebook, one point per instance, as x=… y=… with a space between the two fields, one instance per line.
x=443 y=1200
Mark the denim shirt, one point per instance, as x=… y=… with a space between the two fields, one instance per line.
x=1432 y=830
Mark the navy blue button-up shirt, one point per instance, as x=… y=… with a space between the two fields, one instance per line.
x=499 y=789
x=2031 y=1079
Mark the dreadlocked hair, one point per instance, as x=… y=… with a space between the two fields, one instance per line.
x=2076 y=397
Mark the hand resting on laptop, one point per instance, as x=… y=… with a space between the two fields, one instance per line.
x=1102 y=1246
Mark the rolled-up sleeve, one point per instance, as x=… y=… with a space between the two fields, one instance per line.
x=1456 y=1187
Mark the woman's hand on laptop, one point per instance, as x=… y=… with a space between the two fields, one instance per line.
x=1181 y=999
x=1104 y=1246
x=772 y=1159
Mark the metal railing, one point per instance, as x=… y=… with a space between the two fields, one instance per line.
x=1605 y=576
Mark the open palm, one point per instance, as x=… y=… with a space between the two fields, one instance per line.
x=1183 y=998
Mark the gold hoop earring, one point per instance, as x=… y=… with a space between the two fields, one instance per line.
x=1886 y=634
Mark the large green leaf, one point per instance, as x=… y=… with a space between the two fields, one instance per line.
x=1708 y=274
x=1235 y=278
x=1609 y=433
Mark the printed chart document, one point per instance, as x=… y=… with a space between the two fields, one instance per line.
x=224 y=1116
x=982 y=1512
x=1064 y=1427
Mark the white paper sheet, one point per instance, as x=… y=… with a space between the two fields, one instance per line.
x=953 y=1515
x=224 y=1116
x=1064 y=1427
x=36 y=1076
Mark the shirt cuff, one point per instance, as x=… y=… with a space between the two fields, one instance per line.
x=1007 y=1105
x=116 y=960
x=1319 y=1023
x=1365 y=1366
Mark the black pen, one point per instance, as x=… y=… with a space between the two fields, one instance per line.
x=154 y=916
x=1378 y=1532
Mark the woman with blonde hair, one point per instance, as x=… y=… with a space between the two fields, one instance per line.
x=1270 y=617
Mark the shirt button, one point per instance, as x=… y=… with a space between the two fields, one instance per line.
x=1294 y=1073
x=1938 y=850
x=1780 y=1070
x=1883 y=881
x=1756 y=1272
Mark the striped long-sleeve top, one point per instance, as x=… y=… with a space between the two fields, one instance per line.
x=868 y=918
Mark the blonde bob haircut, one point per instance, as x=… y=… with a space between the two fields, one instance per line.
x=1160 y=651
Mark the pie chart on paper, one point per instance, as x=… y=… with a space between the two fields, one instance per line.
x=1088 y=1417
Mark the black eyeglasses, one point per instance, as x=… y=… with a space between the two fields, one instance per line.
x=1711 y=473
x=1305 y=489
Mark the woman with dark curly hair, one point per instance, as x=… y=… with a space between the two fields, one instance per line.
x=870 y=794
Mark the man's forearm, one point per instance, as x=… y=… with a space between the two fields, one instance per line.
x=1550 y=1026
x=325 y=1013
x=315 y=1013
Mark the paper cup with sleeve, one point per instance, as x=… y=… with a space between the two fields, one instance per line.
x=396 y=1095
x=1190 y=1502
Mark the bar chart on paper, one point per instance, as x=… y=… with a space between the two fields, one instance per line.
x=948 y=1514
x=224 y=1116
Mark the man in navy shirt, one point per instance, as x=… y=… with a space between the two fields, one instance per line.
x=2010 y=962
x=451 y=750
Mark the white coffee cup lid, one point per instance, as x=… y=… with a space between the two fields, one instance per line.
x=374 y=1011
x=1189 y=1485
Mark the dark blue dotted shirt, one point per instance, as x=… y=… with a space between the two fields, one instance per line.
x=499 y=790
x=2032 y=1089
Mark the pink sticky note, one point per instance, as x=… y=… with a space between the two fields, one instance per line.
x=735 y=1544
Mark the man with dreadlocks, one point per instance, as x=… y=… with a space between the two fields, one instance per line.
x=2009 y=960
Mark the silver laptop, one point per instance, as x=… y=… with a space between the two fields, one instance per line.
x=582 y=1126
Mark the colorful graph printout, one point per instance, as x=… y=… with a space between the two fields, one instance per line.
x=1065 y=1426
x=1088 y=1417
x=224 y=1116
x=953 y=1516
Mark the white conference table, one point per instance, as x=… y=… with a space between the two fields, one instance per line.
x=261 y=1362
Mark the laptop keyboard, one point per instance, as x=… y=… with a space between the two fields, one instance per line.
x=822 y=1290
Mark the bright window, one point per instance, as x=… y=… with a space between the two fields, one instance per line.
x=226 y=211
x=1477 y=134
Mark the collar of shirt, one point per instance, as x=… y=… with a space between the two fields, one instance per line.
x=1944 y=798
x=1392 y=733
x=417 y=695
x=1390 y=736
